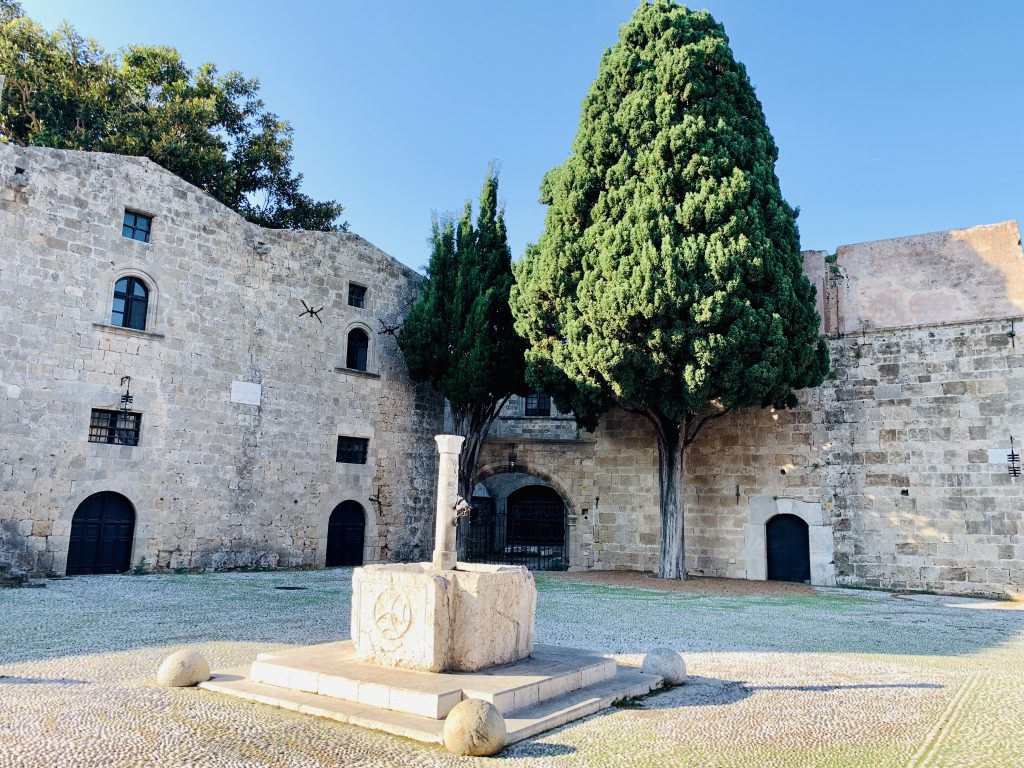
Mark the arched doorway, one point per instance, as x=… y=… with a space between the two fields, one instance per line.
x=788 y=549
x=346 y=532
x=101 y=535
x=535 y=528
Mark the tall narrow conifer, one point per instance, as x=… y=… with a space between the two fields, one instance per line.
x=459 y=334
x=668 y=280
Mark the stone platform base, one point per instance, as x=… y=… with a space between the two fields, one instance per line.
x=553 y=687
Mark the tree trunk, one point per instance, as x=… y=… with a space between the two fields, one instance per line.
x=474 y=424
x=671 y=471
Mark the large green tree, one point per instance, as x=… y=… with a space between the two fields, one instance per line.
x=668 y=280
x=459 y=334
x=210 y=129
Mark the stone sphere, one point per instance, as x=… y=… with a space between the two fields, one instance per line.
x=667 y=664
x=182 y=669
x=474 y=727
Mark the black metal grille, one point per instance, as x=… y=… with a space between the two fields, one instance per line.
x=356 y=295
x=352 y=450
x=538 y=405
x=116 y=427
x=136 y=226
x=530 y=532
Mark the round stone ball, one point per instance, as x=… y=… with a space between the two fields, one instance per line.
x=667 y=664
x=474 y=727
x=182 y=669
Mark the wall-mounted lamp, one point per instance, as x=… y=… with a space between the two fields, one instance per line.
x=512 y=460
x=597 y=502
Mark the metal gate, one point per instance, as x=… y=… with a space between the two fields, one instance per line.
x=531 y=532
x=789 y=555
x=101 y=535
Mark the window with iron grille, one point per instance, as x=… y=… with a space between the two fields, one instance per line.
x=114 y=427
x=131 y=302
x=356 y=295
x=352 y=450
x=538 y=405
x=137 y=226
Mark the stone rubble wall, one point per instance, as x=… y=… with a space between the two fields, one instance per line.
x=902 y=452
x=215 y=483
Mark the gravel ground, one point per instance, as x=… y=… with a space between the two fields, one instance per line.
x=780 y=676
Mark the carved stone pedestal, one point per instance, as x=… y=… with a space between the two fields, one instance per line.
x=413 y=617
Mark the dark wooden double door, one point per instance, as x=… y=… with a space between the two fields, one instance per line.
x=101 y=535
x=789 y=552
x=346 y=533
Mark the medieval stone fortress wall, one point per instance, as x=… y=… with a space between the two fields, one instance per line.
x=239 y=395
x=898 y=463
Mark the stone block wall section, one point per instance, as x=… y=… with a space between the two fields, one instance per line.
x=242 y=399
x=897 y=463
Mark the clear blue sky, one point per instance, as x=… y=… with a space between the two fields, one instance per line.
x=892 y=118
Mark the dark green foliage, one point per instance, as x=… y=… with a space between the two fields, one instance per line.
x=668 y=280
x=459 y=334
x=210 y=129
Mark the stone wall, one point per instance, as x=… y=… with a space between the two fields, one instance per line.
x=897 y=462
x=242 y=400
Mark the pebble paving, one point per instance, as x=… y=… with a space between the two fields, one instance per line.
x=831 y=678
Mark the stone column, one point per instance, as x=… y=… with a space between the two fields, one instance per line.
x=445 y=531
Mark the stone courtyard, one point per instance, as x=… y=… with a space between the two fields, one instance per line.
x=780 y=675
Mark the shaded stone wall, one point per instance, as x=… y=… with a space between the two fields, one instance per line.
x=897 y=462
x=217 y=480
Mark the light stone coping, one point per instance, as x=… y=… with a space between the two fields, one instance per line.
x=761 y=509
x=334 y=670
x=521 y=723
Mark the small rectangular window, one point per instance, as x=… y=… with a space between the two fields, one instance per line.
x=114 y=427
x=352 y=450
x=136 y=226
x=356 y=295
x=538 y=405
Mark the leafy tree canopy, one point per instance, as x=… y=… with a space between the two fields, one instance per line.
x=669 y=273
x=210 y=129
x=459 y=334
x=668 y=280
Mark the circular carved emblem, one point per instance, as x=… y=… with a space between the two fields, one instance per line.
x=392 y=614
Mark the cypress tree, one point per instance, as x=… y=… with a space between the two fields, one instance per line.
x=459 y=335
x=668 y=280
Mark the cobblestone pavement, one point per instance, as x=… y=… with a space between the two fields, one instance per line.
x=832 y=678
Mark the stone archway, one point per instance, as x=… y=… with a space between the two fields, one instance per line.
x=787 y=549
x=346 y=535
x=102 y=530
x=524 y=522
x=820 y=541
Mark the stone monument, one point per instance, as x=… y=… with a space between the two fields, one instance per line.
x=443 y=615
x=427 y=637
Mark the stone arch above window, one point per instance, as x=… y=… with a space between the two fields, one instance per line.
x=131 y=300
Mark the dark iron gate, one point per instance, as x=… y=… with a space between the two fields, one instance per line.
x=346 y=532
x=788 y=544
x=101 y=535
x=531 y=532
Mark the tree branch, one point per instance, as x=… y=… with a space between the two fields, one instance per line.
x=706 y=420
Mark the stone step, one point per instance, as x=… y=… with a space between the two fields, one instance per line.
x=331 y=670
x=522 y=724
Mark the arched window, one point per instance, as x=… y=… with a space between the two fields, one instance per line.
x=131 y=300
x=358 y=349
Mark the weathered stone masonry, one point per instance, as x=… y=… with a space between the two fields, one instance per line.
x=242 y=400
x=897 y=462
